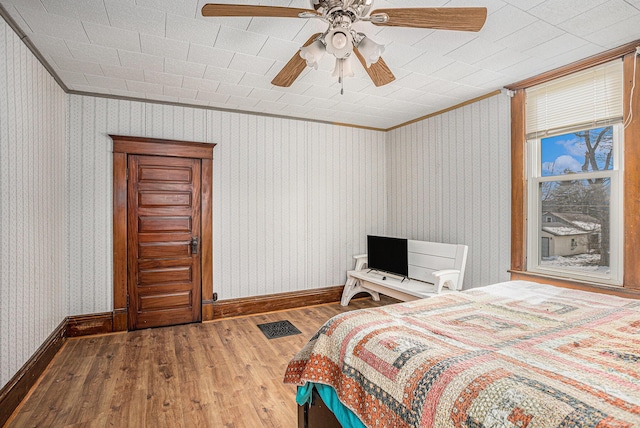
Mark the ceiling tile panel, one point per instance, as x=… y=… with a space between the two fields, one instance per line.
x=530 y=36
x=223 y=75
x=125 y=73
x=212 y=97
x=257 y=81
x=281 y=28
x=32 y=4
x=112 y=37
x=349 y=96
x=70 y=64
x=524 y=4
x=106 y=82
x=93 y=53
x=126 y=15
x=485 y=79
x=141 y=61
x=443 y=42
x=434 y=100
x=235 y=90
x=410 y=81
x=209 y=56
x=277 y=49
x=474 y=51
x=163 y=78
x=241 y=62
x=269 y=106
x=604 y=15
x=51 y=45
x=554 y=12
x=161 y=46
x=234 y=40
x=84 y=10
x=242 y=102
x=294 y=99
x=191 y=30
x=187 y=69
x=58 y=26
x=559 y=45
x=144 y=87
x=428 y=64
x=505 y=21
x=498 y=62
x=200 y=84
x=264 y=94
x=186 y=8
x=184 y=93
x=614 y=34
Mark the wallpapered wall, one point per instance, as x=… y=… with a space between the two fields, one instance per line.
x=292 y=200
x=449 y=181
x=33 y=204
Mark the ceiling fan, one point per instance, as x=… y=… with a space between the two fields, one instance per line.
x=341 y=40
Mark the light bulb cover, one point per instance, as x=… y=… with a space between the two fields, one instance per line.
x=339 y=42
x=342 y=68
x=313 y=53
x=370 y=50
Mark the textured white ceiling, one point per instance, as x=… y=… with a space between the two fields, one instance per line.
x=165 y=50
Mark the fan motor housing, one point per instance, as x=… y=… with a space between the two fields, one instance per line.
x=359 y=7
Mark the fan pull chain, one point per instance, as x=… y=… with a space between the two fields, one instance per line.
x=341 y=77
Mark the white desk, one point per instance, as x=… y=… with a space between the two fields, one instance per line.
x=409 y=289
x=433 y=268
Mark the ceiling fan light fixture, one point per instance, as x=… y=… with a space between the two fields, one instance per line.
x=339 y=42
x=313 y=53
x=370 y=50
x=342 y=69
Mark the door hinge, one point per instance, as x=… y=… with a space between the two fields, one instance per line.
x=126 y=174
x=127 y=300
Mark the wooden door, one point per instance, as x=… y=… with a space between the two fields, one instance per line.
x=164 y=285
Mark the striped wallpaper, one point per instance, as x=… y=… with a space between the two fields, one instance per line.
x=292 y=202
x=449 y=181
x=33 y=204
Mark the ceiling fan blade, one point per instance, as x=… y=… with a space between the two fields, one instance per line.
x=379 y=72
x=213 y=9
x=451 y=18
x=293 y=68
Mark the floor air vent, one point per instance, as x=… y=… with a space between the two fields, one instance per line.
x=273 y=330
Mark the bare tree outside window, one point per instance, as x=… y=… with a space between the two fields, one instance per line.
x=578 y=206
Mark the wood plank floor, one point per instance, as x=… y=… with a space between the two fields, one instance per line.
x=218 y=374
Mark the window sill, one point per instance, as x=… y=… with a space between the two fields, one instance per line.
x=575 y=284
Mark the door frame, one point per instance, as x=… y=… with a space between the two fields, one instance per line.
x=124 y=146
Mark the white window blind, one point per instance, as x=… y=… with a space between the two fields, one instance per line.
x=591 y=98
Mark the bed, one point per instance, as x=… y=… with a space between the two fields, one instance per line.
x=514 y=354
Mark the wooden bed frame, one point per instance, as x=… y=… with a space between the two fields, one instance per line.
x=316 y=415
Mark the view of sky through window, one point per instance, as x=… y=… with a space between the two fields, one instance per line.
x=569 y=153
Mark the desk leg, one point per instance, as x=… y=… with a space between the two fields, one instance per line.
x=353 y=287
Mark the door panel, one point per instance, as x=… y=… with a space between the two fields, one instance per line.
x=163 y=217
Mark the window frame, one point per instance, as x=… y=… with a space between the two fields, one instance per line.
x=616 y=229
x=631 y=175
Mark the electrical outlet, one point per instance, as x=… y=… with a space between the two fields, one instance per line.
x=637 y=50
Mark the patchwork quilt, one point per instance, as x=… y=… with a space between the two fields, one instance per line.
x=514 y=354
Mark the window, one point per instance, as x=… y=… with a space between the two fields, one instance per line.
x=574 y=139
